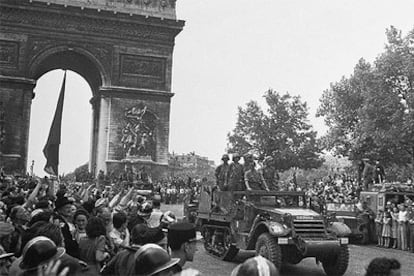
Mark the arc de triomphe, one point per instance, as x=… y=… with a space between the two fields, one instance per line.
x=123 y=48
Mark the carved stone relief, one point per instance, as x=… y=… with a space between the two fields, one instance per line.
x=139 y=133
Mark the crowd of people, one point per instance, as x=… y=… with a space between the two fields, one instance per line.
x=90 y=229
x=74 y=229
x=93 y=228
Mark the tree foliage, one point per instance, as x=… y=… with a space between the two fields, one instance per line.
x=371 y=113
x=282 y=132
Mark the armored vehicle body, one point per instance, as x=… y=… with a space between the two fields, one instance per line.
x=347 y=213
x=278 y=225
x=377 y=199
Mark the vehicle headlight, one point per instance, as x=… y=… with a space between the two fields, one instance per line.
x=279 y=229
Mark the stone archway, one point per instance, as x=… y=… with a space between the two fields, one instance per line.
x=124 y=51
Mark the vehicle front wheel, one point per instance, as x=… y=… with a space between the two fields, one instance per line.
x=337 y=265
x=267 y=247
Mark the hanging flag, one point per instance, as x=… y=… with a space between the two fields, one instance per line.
x=51 y=149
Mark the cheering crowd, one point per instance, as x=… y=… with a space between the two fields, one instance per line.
x=89 y=229
x=93 y=228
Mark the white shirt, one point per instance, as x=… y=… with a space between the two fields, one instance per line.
x=402 y=216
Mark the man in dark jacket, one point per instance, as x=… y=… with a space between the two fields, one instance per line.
x=63 y=208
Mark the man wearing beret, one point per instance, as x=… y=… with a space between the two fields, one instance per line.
x=182 y=240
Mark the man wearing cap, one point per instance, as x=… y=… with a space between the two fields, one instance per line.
x=222 y=173
x=182 y=240
x=63 y=207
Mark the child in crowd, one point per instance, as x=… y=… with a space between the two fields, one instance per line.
x=386 y=229
x=378 y=227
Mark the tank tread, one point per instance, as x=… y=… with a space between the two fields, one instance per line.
x=219 y=247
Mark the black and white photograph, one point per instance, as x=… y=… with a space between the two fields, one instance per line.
x=206 y=137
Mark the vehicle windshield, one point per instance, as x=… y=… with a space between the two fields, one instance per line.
x=280 y=201
x=348 y=207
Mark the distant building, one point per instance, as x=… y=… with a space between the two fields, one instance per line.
x=190 y=164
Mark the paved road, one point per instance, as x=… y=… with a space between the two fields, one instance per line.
x=360 y=256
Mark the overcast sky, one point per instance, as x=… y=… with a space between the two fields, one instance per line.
x=231 y=52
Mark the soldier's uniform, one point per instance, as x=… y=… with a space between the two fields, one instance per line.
x=270 y=174
x=222 y=173
x=236 y=175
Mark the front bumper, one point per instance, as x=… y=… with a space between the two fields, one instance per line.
x=315 y=248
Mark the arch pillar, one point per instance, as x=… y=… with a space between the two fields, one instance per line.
x=112 y=153
x=16 y=94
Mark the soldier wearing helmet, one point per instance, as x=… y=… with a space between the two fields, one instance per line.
x=236 y=174
x=222 y=173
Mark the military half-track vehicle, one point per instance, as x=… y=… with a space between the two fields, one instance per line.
x=277 y=225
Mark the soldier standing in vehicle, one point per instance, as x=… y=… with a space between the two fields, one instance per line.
x=367 y=174
x=222 y=173
x=236 y=174
x=270 y=174
x=379 y=173
x=254 y=180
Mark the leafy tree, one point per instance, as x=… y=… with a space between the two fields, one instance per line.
x=371 y=113
x=282 y=132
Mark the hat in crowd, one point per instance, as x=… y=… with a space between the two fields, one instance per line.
x=225 y=157
x=5 y=229
x=179 y=233
x=151 y=259
x=38 y=251
x=62 y=201
x=145 y=210
x=142 y=234
x=256 y=266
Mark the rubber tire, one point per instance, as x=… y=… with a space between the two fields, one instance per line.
x=273 y=249
x=337 y=265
